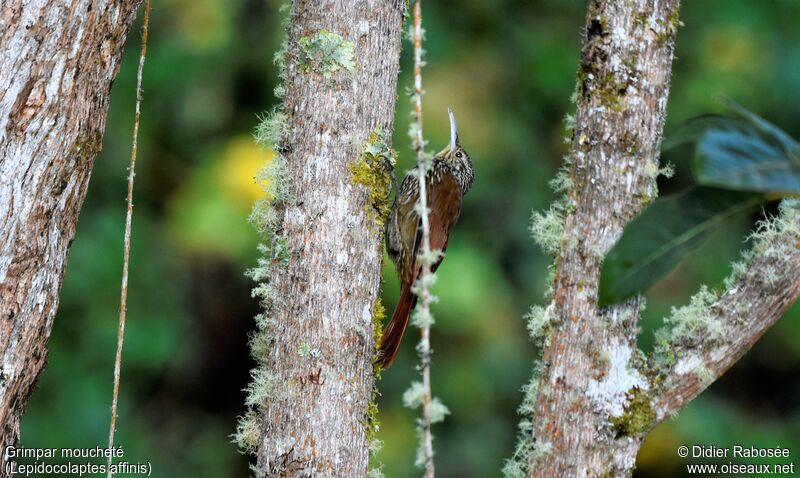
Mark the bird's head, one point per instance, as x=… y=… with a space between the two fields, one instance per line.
x=454 y=153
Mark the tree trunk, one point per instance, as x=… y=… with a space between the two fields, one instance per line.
x=57 y=62
x=320 y=373
x=587 y=368
x=598 y=395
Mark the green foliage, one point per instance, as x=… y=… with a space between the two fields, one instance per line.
x=743 y=152
x=325 y=53
x=654 y=243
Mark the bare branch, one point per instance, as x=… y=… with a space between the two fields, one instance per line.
x=725 y=328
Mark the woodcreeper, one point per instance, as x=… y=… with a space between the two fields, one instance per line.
x=447 y=180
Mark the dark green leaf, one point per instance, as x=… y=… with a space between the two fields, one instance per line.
x=654 y=242
x=693 y=130
x=742 y=152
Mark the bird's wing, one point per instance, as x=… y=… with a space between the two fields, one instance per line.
x=445 y=207
x=407 y=228
x=444 y=203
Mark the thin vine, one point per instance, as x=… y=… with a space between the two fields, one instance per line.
x=123 y=301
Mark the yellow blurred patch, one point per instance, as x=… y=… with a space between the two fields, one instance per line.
x=730 y=48
x=659 y=447
x=236 y=169
x=467 y=88
x=203 y=24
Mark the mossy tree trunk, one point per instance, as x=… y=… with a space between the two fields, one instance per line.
x=57 y=62
x=621 y=105
x=597 y=395
x=341 y=67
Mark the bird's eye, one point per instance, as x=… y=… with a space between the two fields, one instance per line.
x=459 y=155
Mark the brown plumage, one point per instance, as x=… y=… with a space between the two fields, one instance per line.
x=447 y=181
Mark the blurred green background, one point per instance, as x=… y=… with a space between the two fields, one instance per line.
x=508 y=69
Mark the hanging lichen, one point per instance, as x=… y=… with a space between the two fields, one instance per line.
x=273 y=178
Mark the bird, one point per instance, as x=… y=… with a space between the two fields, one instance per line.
x=448 y=179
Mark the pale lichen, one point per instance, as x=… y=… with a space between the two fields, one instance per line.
x=325 y=53
x=689 y=326
x=540 y=324
x=274 y=179
x=519 y=464
x=611 y=393
x=547 y=228
x=705 y=376
x=413 y=398
x=248 y=432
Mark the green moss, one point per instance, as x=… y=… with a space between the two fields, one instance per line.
x=373 y=170
x=669 y=26
x=371 y=421
x=610 y=91
x=638 y=416
x=87 y=148
x=378 y=317
x=603 y=86
x=640 y=19
x=325 y=53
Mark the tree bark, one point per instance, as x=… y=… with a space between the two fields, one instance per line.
x=598 y=395
x=587 y=369
x=57 y=62
x=320 y=364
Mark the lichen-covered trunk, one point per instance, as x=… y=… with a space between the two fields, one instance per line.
x=57 y=62
x=589 y=383
x=320 y=373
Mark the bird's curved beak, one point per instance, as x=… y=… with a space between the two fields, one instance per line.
x=453 y=132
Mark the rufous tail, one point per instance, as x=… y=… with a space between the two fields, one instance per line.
x=393 y=333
